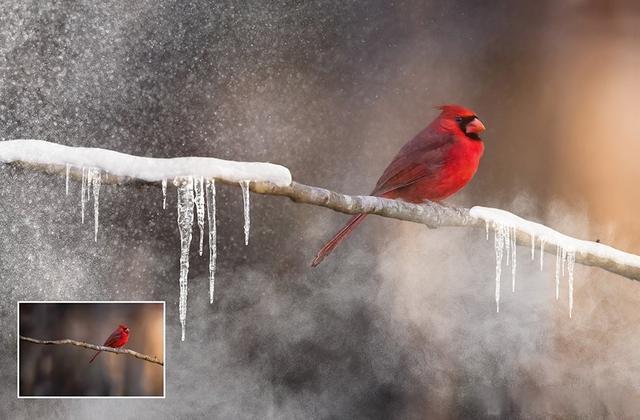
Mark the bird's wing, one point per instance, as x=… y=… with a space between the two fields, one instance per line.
x=421 y=157
x=113 y=338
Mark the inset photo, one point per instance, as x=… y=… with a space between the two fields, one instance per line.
x=91 y=349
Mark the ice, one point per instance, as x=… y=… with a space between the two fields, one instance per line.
x=533 y=247
x=82 y=191
x=507 y=243
x=67 y=167
x=185 y=225
x=164 y=193
x=551 y=236
x=557 y=272
x=541 y=254
x=499 y=248
x=571 y=261
x=198 y=185
x=245 y=199
x=513 y=259
x=211 y=219
x=563 y=259
x=486 y=227
x=96 y=182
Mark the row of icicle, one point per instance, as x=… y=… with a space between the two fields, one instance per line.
x=505 y=246
x=192 y=191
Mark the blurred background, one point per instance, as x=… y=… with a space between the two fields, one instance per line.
x=64 y=370
x=400 y=322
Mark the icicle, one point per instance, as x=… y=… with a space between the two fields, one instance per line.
x=164 y=193
x=571 y=261
x=507 y=243
x=67 y=179
x=96 y=181
x=557 y=271
x=513 y=260
x=486 y=227
x=199 y=200
x=82 y=191
x=541 y=254
x=533 y=246
x=211 y=219
x=563 y=260
x=247 y=220
x=185 y=224
x=499 y=247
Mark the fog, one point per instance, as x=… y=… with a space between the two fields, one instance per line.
x=400 y=321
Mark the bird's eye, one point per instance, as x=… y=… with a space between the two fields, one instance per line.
x=459 y=118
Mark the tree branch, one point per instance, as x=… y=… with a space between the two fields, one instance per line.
x=432 y=215
x=135 y=354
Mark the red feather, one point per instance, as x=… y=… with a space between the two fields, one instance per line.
x=436 y=163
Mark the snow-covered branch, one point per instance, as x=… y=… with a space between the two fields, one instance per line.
x=135 y=354
x=195 y=180
x=434 y=215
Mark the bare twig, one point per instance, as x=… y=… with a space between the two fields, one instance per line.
x=135 y=354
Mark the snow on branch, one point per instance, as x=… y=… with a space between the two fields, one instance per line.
x=434 y=215
x=43 y=153
x=195 y=180
x=135 y=354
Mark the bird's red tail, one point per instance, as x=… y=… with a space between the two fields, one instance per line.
x=94 y=356
x=339 y=237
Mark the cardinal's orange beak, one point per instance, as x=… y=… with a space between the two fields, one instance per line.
x=474 y=126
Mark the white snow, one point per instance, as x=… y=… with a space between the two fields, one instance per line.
x=145 y=168
x=507 y=224
x=245 y=200
x=210 y=190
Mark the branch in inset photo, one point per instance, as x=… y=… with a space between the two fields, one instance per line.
x=135 y=354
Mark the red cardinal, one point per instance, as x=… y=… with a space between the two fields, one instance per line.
x=438 y=162
x=117 y=339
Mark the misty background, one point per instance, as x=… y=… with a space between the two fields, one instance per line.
x=400 y=321
x=64 y=370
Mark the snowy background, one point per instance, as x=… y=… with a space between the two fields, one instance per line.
x=400 y=321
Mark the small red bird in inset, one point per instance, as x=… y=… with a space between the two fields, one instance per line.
x=439 y=161
x=117 y=339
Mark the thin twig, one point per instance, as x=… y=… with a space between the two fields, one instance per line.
x=135 y=354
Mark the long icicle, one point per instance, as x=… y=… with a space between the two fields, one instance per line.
x=513 y=259
x=185 y=225
x=571 y=262
x=557 y=272
x=213 y=247
x=96 y=181
x=247 y=219
x=533 y=246
x=164 y=193
x=82 y=191
x=499 y=248
x=198 y=185
x=541 y=254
